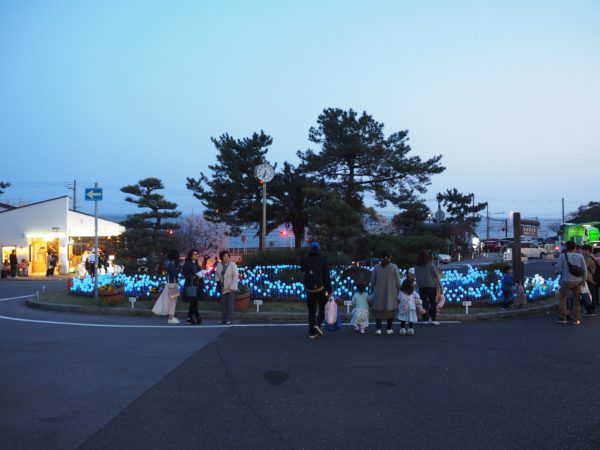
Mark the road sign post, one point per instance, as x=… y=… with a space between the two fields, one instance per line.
x=95 y=194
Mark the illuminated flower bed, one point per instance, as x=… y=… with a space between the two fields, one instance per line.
x=285 y=281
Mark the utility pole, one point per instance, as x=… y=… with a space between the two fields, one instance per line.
x=487 y=221
x=563 y=210
x=74 y=189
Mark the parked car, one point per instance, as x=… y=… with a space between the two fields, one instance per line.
x=492 y=246
x=531 y=250
x=443 y=258
x=370 y=262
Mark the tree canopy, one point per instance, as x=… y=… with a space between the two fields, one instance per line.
x=3 y=185
x=356 y=158
x=232 y=194
x=150 y=233
x=586 y=213
x=461 y=207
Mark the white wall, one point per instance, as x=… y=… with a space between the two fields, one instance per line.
x=79 y=224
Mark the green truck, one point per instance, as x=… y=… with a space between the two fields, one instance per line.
x=582 y=233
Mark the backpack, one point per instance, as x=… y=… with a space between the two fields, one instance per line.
x=313 y=278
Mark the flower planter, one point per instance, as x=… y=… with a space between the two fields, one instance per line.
x=242 y=301
x=110 y=293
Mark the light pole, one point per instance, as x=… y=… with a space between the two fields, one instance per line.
x=264 y=173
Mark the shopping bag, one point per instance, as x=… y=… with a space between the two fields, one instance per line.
x=331 y=310
x=161 y=307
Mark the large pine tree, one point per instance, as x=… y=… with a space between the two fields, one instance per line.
x=149 y=234
x=232 y=194
x=356 y=158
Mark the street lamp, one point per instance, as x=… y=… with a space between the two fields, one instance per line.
x=264 y=173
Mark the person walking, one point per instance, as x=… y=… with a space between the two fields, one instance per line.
x=429 y=285
x=14 y=263
x=317 y=284
x=385 y=284
x=192 y=280
x=227 y=274
x=573 y=273
x=166 y=303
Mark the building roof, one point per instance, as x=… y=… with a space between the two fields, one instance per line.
x=6 y=207
x=12 y=208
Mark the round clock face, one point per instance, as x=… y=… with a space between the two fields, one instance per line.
x=265 y=173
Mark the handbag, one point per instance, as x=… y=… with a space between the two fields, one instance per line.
x=576 y=271
x=190 y=291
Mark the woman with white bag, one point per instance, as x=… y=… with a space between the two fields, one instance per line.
x=165 y=305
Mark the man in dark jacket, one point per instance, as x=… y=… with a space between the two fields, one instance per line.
x=14 y=263
x=317 y=284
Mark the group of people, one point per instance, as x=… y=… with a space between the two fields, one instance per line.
x=391 y=298
x=194 y=273
x=11 y=266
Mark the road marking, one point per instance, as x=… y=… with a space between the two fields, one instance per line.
x=15 y=298
x=187 y=327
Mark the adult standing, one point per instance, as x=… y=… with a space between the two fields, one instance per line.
x=570 y=283
x=190 y=273
x=166 y=303
x=317 y=284
x=14 y=263
x=49 y=264
x=429 y=284
x=227 y=275
x=590 y=263
x=385 y=285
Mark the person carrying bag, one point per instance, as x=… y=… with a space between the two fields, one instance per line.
x=193 y=287
x=166 y=303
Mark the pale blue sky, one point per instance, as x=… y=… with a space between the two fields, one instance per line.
x=116 y=91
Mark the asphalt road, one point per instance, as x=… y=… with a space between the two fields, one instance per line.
x=109 y=383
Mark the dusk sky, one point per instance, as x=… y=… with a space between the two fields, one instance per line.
x=116 y=91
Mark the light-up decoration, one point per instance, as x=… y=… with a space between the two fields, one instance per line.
x=264 y=282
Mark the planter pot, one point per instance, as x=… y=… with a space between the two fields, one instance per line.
x=117 y=291
x=242 y=302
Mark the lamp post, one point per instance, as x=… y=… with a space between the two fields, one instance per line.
x=264 y=173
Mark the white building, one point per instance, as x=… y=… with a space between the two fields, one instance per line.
x=34 y=229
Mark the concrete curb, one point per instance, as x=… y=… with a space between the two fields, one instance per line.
x=543 y=308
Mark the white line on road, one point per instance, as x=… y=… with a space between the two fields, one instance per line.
x=171 y=327
x=15 y=298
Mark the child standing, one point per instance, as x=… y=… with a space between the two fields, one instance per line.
x=407 y=307
x=508 y=285
x=360 y=314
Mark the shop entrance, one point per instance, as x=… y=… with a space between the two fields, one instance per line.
x=6 y=251
x=38 y=254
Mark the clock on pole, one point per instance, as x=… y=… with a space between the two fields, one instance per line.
x=265 y=173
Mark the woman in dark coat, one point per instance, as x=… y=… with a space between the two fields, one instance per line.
x=190 y=270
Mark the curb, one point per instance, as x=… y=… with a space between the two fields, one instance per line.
x=532 y=311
